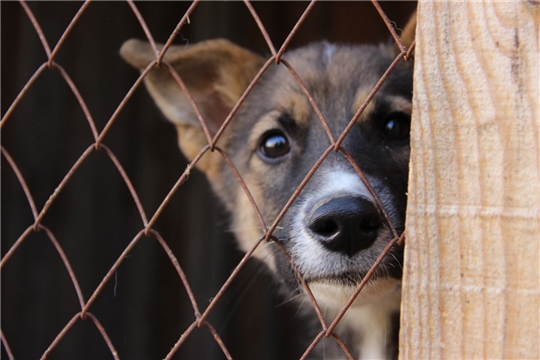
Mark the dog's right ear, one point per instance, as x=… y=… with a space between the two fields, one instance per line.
x=216 y=73
x=409 y=33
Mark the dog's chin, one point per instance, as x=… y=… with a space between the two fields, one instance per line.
x=334 y=293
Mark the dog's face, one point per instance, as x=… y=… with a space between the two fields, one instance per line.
x=334 y=230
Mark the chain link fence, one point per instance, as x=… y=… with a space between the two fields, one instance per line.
x=111 y=246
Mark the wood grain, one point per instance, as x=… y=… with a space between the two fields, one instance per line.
x=472 y=264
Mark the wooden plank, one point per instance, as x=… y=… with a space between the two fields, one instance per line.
x=472 y=264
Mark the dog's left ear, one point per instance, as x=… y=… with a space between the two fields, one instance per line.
x=216 y=73
x=409 y=32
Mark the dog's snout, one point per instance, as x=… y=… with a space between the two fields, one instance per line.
x=345 y=224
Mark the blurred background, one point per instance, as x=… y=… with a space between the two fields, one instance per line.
x=144 y=308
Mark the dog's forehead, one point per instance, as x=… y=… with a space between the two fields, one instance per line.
x=336 y=67
x=337 y=77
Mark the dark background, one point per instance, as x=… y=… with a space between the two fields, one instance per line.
x=144 y=308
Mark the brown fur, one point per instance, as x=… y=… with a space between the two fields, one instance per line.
x=339 y=78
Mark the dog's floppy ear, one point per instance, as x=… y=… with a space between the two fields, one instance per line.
x=216 y=73
x=409 y=33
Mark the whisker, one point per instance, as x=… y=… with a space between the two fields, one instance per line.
x=300 y=306
x=235 y=229
x=292 y=297
x=397 y=261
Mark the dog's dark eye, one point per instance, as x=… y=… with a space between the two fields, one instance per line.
x=274 y=144
x=397 y=126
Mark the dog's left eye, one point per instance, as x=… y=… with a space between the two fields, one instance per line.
x=274 y=144
x=397 y=126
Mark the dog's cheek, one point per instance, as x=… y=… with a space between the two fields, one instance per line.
x=284 y=271
x=246 y=223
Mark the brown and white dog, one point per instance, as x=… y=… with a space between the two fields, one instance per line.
x=334 y=230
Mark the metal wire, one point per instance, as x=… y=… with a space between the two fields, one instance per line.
x=200 y=319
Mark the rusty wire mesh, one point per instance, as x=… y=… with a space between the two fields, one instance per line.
x=89 y=295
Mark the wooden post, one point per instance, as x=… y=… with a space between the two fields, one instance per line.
x=472 y=265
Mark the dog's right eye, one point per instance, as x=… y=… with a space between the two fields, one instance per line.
x=397 y=126
x=274 y=144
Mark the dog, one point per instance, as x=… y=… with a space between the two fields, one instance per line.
x=334 y=230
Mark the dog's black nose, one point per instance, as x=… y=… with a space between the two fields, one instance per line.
x=345 y=224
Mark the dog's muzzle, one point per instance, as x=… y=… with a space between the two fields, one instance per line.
x=344 y=224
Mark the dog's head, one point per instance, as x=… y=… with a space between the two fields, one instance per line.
x=334 y=230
